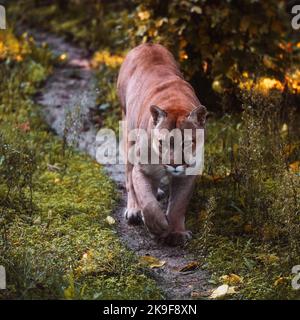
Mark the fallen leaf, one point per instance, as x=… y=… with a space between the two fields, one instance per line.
x=222 y=291
x=152 y=262
x=295 y=166
x=231 y=290
x=110 y=220
x=200 y=294
x=144 y=15
x=196 y=9
x=231 y=279
x=279 y=281
x=190 y=266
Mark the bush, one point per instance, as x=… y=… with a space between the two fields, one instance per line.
x=216 y=42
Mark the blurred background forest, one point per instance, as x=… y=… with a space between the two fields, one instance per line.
x=243 y=59
x=219 y=44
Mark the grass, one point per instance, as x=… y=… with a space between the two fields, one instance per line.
x=55 y=241
x=245 y=209
x=244 y=212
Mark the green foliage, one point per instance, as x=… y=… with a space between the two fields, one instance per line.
x=89 y=24
x=214 y=41
x=228 y=36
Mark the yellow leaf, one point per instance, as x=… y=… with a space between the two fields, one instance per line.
x=245 y=74
x=144 y=15
x=231 y=290
x=284 y=128
x=279 y=281
x=196 y=9
x=217 y=86
x=160 y=22
x=190 y=266
x=152 y=262
x=63 y=57
x=110 y=220
x=295 y=166
x=231 y=279
x=183 y=55
x=222 y=291
x=266 y=84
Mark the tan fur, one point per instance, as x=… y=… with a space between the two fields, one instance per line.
x=150 y=76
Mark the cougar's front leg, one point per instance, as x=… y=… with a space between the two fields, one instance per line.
x=181 y=189
x=145 y=189
x=133 y=212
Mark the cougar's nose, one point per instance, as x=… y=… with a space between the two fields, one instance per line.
x=176 y=168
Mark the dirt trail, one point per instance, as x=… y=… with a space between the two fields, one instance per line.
x=67 y=98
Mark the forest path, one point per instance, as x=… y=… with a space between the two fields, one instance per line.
x=68 y=97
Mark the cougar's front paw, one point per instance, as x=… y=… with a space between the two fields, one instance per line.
x=178 y=238
x=155 y=221
x=133 y=216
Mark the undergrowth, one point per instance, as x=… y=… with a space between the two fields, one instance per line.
x=245 y=209
x=249 y=198
x=55 y=238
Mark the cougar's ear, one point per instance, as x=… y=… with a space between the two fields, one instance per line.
x=157 y=113
x=198 y=115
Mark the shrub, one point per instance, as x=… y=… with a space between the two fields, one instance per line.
x=216 y=42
